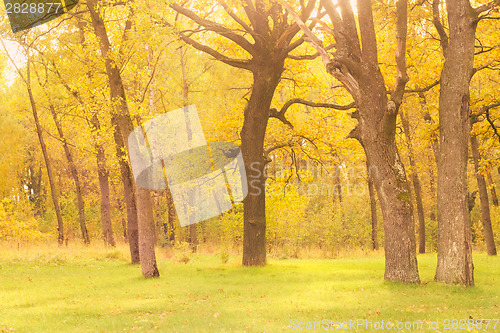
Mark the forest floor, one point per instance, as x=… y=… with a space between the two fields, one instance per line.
x=46 y=289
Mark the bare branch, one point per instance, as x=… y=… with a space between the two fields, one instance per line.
x=421 y=90
x=273 y=113
x=215 y=27
x=486 y=49
x=238 y=63
x=310 y=56
x=270 y=150
x=302 y=39
x=490 y=121
x=236 y=18
x=293 y=101
x=484 y=8
x=311 y=38
x=484 y=66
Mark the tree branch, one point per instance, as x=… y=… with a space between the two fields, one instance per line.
x=484 y=66
x=402 y=75
x=215 y=27
x=236 y=18
x=367 y=32
x=273 y=113
x=238 y=63
x=270 y=150
x=421 y=90
x=484 y=8
x=310 y=56
x=436 y=19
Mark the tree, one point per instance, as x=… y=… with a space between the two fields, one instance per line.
x=272 y=43
x=27 y=81
x=416 y=183
x=358 y=70
x=124 y=127
x=454 y=234
x=483 y=195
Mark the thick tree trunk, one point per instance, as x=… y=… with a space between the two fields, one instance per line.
x=454 y=233
x=389 y=176
x=125 y=127
x=416 y=184
x=256 y=115
x=489 y=239
x=39 y=132
x=373 y=208
x=74 y=175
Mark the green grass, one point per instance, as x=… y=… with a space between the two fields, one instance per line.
x=45 y=289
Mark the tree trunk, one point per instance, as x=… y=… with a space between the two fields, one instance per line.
x=373 y=207
x=119 y=204
x=390 y=181
x=107 y=227
x=435 y=150
x=376 y=131
x=265 y=81
x=128 y=194
x=74 y=175
x=146 y=233
x=172 y=214
x=103 y=174
x=39 y=132
x=416 y=184
x=337 y=187
x=118 y=98
x=160 y=225
x=494 y=197
x=454 y=233
x=193 y=234
x=489 y=239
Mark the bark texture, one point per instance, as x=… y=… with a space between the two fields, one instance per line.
x=454 y=234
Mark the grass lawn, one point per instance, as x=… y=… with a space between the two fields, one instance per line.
x=46 y=289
